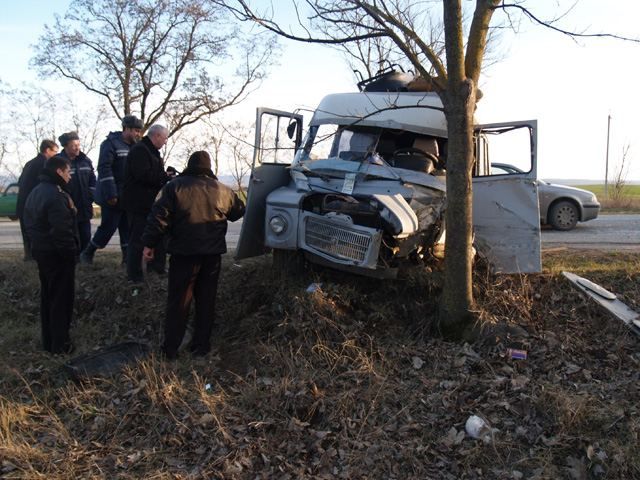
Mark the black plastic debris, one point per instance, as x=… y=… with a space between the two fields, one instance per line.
x=106 y=361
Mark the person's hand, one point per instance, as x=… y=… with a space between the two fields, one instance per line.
x=147 y=254
x=112 y=201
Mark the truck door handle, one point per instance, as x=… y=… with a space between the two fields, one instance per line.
x=258 y=180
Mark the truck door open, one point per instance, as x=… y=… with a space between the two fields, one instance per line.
x=278 y=136
x=506 y=215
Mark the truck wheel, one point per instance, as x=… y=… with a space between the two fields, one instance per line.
x=563 y=215
x=288 y=262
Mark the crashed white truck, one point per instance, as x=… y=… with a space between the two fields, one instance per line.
x=364 y=191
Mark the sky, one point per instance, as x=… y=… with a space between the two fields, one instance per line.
x=571 y=87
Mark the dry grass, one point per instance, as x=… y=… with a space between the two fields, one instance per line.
x=345 y=382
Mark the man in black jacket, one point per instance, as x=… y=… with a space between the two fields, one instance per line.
x=50 y=220
x=193 y=209
x=111 y=167
x=82 y=185
x=27 y=182
x=143 y=178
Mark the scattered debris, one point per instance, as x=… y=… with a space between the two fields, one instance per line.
x=106 y=361
x=608 y=300
x=477 y=427
x=516 y=354
x=314 y=287
x=417 y=362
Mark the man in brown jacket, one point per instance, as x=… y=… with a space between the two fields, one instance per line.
x=193 y=209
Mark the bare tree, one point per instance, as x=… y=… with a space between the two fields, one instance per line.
x=239 y=149
x=450 y=66
x=33 y=113
x=154 y=58
x=617 y=193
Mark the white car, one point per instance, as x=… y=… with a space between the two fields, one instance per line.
x=561 y=206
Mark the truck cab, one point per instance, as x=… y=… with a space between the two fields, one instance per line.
x=364 y=190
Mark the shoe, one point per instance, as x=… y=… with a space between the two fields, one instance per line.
x=68 y=349
x=168 y=356
x=86 y=256
x=199 y=351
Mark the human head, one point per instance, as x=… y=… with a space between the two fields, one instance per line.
x=48 y=148
x=70 y=142
x=158 y=135
x=59 y=166
x=131 y=128
x=200 y=159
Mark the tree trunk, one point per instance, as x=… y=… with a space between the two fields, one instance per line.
x=457 y=297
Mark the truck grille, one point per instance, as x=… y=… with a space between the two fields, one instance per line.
x=339 y=242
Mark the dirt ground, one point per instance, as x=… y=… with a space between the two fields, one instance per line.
x=347 y=380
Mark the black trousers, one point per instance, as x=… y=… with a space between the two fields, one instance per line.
x=26 y=242
x=191 y=276
x=137 y=222
x=57 y=288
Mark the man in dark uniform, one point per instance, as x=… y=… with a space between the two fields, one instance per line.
x=111 y=166
x=143 y=178
x=193 y=209
x=82 y=185
x=27 y=182
x=50 y=220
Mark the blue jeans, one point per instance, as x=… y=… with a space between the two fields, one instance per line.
x=112 y=219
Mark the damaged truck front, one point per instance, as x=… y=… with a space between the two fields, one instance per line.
x=364 y=191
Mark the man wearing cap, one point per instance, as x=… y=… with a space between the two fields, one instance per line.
x=28 y=181
x=111 y=166
x=82 y=185
x=193 y=209
x=143 y=178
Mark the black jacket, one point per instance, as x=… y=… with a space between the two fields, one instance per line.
x=50 y=217
x=193 y=210
x=82 y=185
x=144 y=176
x=28 y=181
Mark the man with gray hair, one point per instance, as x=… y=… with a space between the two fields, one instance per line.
x=144 y=176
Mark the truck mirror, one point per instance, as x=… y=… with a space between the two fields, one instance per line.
x=291 y=129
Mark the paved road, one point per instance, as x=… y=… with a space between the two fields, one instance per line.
x=610 y=232
x=607 y=232
x=10 y=237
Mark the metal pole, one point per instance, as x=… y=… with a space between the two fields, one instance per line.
x=606 y=165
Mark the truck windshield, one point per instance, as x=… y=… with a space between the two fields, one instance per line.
x=339 y=142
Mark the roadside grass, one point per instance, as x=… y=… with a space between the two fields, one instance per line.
x=627 y=202
x=344 y=382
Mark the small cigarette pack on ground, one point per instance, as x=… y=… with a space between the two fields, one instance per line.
x=515 y=354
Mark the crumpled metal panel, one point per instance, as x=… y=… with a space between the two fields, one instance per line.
x=506 y=224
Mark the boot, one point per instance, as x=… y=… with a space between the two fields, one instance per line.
x=86 y=256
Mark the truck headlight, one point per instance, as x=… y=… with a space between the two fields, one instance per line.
x=277 y=224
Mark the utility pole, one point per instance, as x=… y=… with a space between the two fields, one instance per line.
x=606 y=164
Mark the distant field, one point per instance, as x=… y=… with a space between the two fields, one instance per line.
x=629 y=201
x=628 y=191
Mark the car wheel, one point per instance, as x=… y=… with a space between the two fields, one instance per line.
x=563 y=215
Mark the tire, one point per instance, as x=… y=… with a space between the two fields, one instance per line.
x=288 y=262
x=563 y=215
